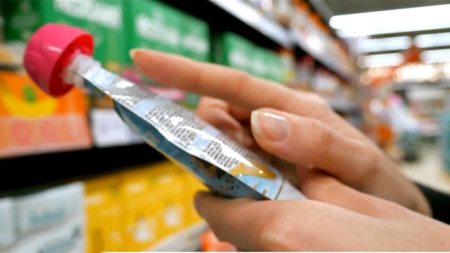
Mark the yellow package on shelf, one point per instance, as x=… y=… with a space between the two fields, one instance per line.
x=170 y=188
x=142 y=206
x=136 y=209
x=104 y=212
x=193 y=185
x=158 y=202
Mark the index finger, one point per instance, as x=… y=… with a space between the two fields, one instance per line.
x=233 y=86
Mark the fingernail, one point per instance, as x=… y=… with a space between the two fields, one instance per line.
x=270 y=125
x=133 y=53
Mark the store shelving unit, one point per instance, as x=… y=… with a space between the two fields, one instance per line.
x=249 y=15
x=116 y=150
x=108 y=129
x=329 y=62
x=112 y=137
x=26 y=172
x=183 y=241
x=257 y=23
x=440 y=85
x=344 y=106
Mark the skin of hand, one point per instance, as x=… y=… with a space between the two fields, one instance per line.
x=335 y=217
x=303 y=130
x=299 y=127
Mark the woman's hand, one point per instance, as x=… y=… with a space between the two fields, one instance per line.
x=299 y=127
x=336 y=217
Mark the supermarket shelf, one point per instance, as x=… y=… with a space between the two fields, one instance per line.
x=429 y=170
x=253 y=22
x=345 y=106
x=54 y=168
x=251 y=16
x=440 y=85
x=322 y=8
x=186 y=240
x=314 y=49
x=108 y=129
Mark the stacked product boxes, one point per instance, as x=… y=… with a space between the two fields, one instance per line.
x=132 y=210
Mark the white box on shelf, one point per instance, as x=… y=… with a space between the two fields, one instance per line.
x=48 y=208
x=67 y=237
x=108 y=129
x=7 y=229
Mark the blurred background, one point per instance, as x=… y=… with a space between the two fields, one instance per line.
x=74 y=178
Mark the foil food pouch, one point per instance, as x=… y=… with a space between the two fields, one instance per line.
x=223 y=165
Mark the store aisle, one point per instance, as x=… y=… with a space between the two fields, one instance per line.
x=429 y=170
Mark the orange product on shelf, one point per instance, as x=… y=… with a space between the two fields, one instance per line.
x=318 y=22
x=385 y=134
x=301 y=4
x=32 y=122
x=104 y=212
x=209 y=242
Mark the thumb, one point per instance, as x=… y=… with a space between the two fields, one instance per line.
x=311 y=143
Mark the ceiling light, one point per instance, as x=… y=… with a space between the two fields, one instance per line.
x=432 y=40
x=380 y=60
x=392 y=21
x=386 y=44
x=435 y=56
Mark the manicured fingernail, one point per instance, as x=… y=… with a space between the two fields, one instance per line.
x=270 y=125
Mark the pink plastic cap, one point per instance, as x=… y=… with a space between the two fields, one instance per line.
x=50 y=50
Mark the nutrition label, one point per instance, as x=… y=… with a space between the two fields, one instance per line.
x=183 y=129
x=176 y=121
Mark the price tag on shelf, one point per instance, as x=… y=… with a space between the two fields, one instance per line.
x=109 y=130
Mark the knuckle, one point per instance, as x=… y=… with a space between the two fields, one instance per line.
x=204 y=102
x=329 y=188
x=369 y=166
x=197 y=78
x=318 y=102
x=279 y=233
x=320 y=140
x=310 y=104
x=202 y=109
x=242 y=79
x=272 y=234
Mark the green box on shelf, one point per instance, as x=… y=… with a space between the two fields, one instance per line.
x=259 y=66
x=102 y=18
x=195 y=38
x=234 y=51
x=195 y=44
x=276 y=67
x=154 y=25
x=158 y=26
